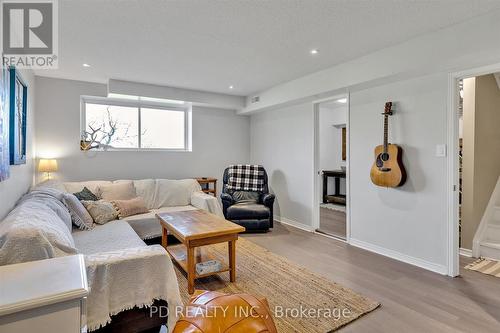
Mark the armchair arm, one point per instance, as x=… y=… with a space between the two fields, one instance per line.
x=144 y=273
x=226 y=197
x=268 y=199
x=206 y=202
x=227 y=201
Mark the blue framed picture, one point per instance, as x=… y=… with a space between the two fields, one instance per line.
x=18 y=116
x=4 y=123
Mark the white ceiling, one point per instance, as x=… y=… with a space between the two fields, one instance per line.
x=209 y=45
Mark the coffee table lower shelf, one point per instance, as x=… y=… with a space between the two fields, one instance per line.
x=179 y=254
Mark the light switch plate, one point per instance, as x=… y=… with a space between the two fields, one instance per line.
x=440 y=150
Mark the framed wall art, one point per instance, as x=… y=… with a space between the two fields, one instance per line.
x=4 y=123
x=18 y=116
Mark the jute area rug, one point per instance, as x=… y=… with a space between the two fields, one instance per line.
x=485 y=266
x=299 y=300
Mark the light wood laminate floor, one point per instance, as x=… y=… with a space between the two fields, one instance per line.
x=413 y=299
x=332 y=222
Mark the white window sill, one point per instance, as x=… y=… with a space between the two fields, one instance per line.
x=140 y=150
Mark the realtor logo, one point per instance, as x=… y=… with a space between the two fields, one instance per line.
x=29 y=34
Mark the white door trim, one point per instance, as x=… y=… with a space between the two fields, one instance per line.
x=452 y=161
x=317 y=176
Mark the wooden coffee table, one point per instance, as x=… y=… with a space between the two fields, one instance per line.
x=195 y=228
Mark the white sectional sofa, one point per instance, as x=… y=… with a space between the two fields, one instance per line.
x=160 y=195
x=123 y=272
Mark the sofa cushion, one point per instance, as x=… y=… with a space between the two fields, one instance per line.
x=147 y=225
x=101 y=211
x=112 y=236
x=246 y=196
x=79 y=214
x=145 y=188
x=33 y=231
x=170 y=193
x=73 y=187
x=247 y=211
x=51 y=183
x=117 y=191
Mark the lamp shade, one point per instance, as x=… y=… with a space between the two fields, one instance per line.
x=47 y=165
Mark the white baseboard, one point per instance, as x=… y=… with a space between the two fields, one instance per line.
x=465 y=252
x=294 y=223
x=441 y=269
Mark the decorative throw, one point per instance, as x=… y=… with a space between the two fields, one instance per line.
x=130 y=207
x=101 y=211
x=52 y=197
x=246 y=177
x=35 y=231
x=79 y=214
x=86 y=194
x=122 y=279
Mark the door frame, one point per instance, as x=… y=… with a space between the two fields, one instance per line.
x=453 y=256
x=316 y=172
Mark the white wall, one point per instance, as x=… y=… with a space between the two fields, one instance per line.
x=282 y=142
x=21 y=176
x=220 y=137
x=409 y=222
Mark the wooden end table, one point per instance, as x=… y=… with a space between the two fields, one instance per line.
x=196 y=228
x=205 y=185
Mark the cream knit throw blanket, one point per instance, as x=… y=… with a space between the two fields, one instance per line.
x=121 y=280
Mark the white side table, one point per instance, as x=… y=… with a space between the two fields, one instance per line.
x=43 y=296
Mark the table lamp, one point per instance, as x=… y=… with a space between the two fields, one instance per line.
x=48 y=166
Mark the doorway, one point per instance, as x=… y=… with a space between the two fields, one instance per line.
x=473 y=169
x=331 y=161
x=479 y=162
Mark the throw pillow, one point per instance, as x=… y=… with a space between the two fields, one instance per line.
x=130 y=207
x=79 y=215
x=118 y=191
x=246 y=196
x=101 y=211
x=86 y=194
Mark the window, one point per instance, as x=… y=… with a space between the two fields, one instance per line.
x=112 y=124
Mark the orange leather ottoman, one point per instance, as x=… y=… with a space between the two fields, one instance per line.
x=214 y=312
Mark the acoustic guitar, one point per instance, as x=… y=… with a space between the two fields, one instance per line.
x=388 y=169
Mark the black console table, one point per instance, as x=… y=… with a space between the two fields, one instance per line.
x=336 y=197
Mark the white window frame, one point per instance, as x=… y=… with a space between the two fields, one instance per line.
x=186 y=108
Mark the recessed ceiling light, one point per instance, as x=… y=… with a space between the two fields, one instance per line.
x=314 y=51
x=231 y=87
x=86 y=65
x=342 y=100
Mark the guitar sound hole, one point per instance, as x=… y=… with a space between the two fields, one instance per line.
x=381 y=158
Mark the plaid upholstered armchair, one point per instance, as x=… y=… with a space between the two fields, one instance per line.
x=245 y=197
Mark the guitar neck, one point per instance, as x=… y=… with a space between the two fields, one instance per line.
x=386 y=130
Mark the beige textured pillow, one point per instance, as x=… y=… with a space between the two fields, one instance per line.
x=130 y=207
x=117 y=191
x=101 y=211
